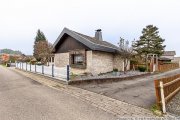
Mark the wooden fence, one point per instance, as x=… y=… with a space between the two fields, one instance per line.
x=167 y=67
x=166 y=88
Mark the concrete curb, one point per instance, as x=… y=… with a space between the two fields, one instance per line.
x=106 y=80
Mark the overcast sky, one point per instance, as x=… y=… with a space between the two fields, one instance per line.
x=20 y=19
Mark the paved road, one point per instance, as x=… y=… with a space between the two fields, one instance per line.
x=139 y=91
x=24 y=99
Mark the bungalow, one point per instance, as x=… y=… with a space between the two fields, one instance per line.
x=86 y=54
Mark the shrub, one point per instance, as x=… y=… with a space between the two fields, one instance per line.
x=115 y=70
x=142 y=68
x=135 y=62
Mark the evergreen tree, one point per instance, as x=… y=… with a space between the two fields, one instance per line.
x=150 y=42
x=39 y=38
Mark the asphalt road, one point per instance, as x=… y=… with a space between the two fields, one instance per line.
x=140 y=91
x=24 y=99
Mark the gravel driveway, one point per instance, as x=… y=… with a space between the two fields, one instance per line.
x=139 y=91
x=174 y=105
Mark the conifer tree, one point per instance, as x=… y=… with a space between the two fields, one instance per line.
x=149 y=42
x=40 y=37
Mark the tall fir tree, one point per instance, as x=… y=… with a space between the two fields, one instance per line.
x=39 y=37
x=150 y=42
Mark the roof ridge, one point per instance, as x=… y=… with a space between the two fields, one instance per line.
x=89 y=41
x=95 y=39
x=112 y=45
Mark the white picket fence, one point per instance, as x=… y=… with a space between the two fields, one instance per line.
x=61 y=73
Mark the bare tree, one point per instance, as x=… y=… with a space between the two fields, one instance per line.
x=126 y=52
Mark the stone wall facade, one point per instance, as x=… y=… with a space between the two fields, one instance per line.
x=61 y=59
x=102 y=62
x=96 y=62
x=88 y=65
x=118 y=63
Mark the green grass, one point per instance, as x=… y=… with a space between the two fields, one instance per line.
x=154 y=108
x=3 y=65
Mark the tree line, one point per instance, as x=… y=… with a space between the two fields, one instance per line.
x=9 y=51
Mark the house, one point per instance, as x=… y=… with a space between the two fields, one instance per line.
x=176 y=60
x=0 y=58
x=5 y=57
x=168 y=55
x=86 y=54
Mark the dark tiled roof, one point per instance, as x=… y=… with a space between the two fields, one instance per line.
x=100 y=42
x=169 y=53
x=90 y=42
x=164 y=59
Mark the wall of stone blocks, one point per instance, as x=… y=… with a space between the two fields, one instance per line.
x=97 y=62
x=61 y=59
x=102 y=62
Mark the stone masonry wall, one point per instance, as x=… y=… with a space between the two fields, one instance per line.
x=61 y=59
x=118 y=62
x=102 y=62
x=88 y=65
x=97 y=62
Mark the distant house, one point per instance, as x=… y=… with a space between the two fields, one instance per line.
x=176 y=60
x=5 y=57
x=0 y=58
x=167 y=56
x=86 y=54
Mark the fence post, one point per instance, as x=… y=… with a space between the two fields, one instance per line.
x=35 y=67
x=26 y=66
x=42 y=69
x=67 y=72
x=30 y=67
x=52 y=70
x=162 y=97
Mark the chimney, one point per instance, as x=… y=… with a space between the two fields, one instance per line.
x=98 y=34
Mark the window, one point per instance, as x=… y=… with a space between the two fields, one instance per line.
x=78 y=59
x=52 y=59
